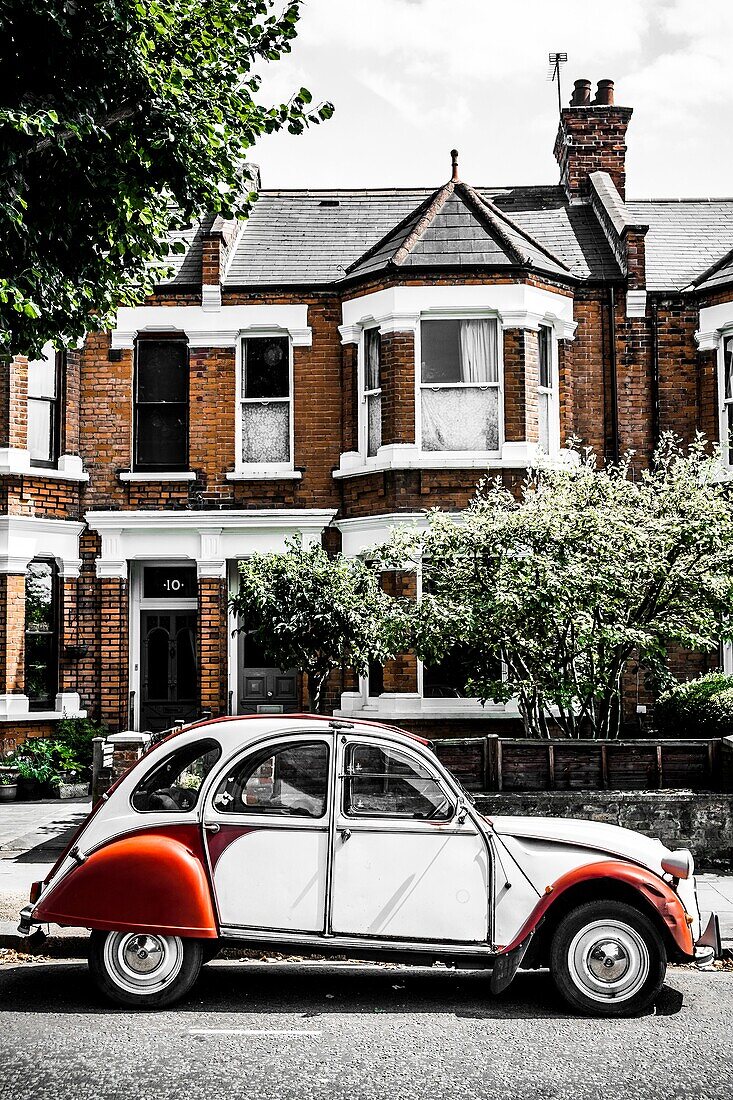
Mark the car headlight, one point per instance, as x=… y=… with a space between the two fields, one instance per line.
x=679 y=864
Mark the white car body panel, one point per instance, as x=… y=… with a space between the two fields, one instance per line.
x=413 y=885
x=274 y=878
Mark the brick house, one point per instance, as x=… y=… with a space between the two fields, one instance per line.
x=337 y=364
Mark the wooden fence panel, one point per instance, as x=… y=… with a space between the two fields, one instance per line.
x=578 y=767
x=525 y=766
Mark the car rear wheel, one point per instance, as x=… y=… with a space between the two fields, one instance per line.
x=142 y=970
x=608 y=959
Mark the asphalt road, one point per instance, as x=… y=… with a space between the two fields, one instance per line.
x=285 y=1030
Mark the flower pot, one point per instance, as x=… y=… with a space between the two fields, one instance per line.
x=75 y=652
x=8 y=792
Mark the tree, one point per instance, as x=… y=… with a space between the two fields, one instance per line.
x=121 y=122
x=314 y=612
x=588 y=569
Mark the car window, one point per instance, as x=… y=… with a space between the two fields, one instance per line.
x=291 y=780
x=174 y=784
x=383 y=782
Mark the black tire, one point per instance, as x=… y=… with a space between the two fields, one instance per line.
x=210 y=949
x=144 y=971
x=608 y=959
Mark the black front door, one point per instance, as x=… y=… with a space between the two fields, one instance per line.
x=169 y=678
x=261 y=685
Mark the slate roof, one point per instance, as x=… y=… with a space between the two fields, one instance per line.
x=456 y=227
x=313 y=237
x=686 y=237
x=308 y=237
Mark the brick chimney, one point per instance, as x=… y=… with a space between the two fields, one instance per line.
x=592 y=138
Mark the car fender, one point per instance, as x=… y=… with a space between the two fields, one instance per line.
x=654 y=890
x=152 y=880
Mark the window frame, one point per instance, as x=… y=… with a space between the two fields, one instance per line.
x=725 y=404
x=345 y=778
x=458 y=315
x=57 y=404
x=202 y=791
x=267 y=751
x=160 y=467
x=553 y=423
x=240 y=466
x=365 y=394
x=272 y=744
x=49 y=703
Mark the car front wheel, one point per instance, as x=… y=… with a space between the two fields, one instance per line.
x=142 y=970
x=608 y=959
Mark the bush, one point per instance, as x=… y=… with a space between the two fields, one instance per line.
x=697 y=708
x=77 y=734
x=46 y=762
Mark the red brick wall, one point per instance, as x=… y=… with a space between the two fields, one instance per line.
x=12 y=632
x=14 y=402
x=592 y=139
x=397 y=372
x=113 y=637
x=212 y=645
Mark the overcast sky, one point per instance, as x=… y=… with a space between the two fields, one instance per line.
x=411 y=78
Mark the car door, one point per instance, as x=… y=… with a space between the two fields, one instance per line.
x=407 y=861
x=267 y=835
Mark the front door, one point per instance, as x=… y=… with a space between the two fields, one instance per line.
x=169 y=684
x=260 y=684
x=267 y=832
x=408 y=863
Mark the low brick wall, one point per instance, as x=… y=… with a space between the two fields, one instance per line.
x=699 y=820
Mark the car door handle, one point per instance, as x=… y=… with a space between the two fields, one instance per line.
x=344 y=834
x=212 y=828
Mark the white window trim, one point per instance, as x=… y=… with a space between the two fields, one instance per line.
x=262 y=471
x=552 y=391
x=364 y=394
x=484 y=457
x=726 y=447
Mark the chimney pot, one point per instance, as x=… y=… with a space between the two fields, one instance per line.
x=604 y=94
x=581 y=93
x=454 y=165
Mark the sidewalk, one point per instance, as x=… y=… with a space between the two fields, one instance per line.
x=32 y=835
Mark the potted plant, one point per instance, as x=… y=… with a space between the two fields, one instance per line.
x=43 y=765
x=8 y=781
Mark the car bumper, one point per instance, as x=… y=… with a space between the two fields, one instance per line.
x=709 y=946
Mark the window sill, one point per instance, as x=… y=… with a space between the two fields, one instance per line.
x=407 y=456
x=261 y=473
x=16 y=461
x=409 y=705
x=157 y=475
x=42 y=716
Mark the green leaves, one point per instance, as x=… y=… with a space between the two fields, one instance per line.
x=121 y=121
x=589 y=569
x=314 y=612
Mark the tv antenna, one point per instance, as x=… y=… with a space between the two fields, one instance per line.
x=554 y=72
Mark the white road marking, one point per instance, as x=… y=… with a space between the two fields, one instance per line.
x=250 y=1031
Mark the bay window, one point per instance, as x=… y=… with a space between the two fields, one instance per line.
x=726 y=418
x=41 y=635
x=265 y=399
x=545 y=389
x=44 y=420
x=161 y=404
x=372 y=392
x=459 y=385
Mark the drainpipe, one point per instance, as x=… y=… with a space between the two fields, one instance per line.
x=655 y=375
x=615 y=440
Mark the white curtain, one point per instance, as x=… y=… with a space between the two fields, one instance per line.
x=479 y=353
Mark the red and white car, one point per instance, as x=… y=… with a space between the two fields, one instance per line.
x=306 y=834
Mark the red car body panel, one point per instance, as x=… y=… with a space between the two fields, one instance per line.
x=154 y=880
x=653 y=889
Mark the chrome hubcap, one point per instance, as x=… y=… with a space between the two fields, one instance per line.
x=608 y=961
x=141 y=963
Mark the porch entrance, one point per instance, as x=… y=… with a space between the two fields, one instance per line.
x=168 y=673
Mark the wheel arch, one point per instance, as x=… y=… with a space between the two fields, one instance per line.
x=154 y=880
x=612 y=881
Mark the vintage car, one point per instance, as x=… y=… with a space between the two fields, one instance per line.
x=305 y=834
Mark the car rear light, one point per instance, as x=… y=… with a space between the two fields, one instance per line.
x=36 y=888
x=679 y=864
